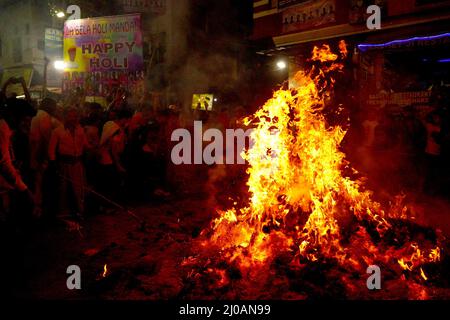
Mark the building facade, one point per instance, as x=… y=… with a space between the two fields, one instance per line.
x=190 y=46
x=394 y=65
x=22 y=40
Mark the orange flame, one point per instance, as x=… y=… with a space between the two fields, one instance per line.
x=418 y=257
x=422 y=273
x=105 y=270
x=343 y=49
x=299 y=195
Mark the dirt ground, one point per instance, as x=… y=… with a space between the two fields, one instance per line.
x=143 y=260
x=146 y=258
x=143 y=257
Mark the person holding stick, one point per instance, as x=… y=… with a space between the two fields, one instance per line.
x=67 y=146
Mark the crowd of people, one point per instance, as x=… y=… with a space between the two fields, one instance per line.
x=54 y=154
x=410 y=145
x=61 y=159
x=70 y=158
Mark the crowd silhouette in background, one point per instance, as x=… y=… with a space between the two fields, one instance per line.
x=405 y=148
x=61 y=160
x=64 y=160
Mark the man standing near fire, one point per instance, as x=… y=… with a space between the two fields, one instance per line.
x=42 y=126
x=67 y=145
x=112 y=146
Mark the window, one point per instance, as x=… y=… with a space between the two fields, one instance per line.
x=17 y=50
x=41 y=45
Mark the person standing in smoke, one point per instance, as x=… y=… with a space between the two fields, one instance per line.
x=112 y=146
x=67 y=146
x=42 y=126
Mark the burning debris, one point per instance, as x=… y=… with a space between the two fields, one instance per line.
x=309 y=216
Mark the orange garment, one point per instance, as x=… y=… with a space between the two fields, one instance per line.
x=41 y=129
x=71 y=187
x=66 y=143
x=136 y=122
x=63 y=142
x=112 y=141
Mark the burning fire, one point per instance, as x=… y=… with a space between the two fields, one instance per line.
x=105 y=270
x=303 y=197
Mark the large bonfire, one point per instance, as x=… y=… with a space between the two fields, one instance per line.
x=305 y=204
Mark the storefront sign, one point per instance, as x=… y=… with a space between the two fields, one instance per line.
x=411 y=43
x=202 y=102
x=53 y=43
x=399 y=98
x=309 y=15
x=144 y=6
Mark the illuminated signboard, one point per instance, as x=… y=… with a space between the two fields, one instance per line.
x=203 y=101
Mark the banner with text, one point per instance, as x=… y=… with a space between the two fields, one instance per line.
x=105 y=43
x=103 y=52
x=53 y=43
x=309 y=15
x=144 y=6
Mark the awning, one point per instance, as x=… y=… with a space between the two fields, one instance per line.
x=409 y=43
x=345 y=30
